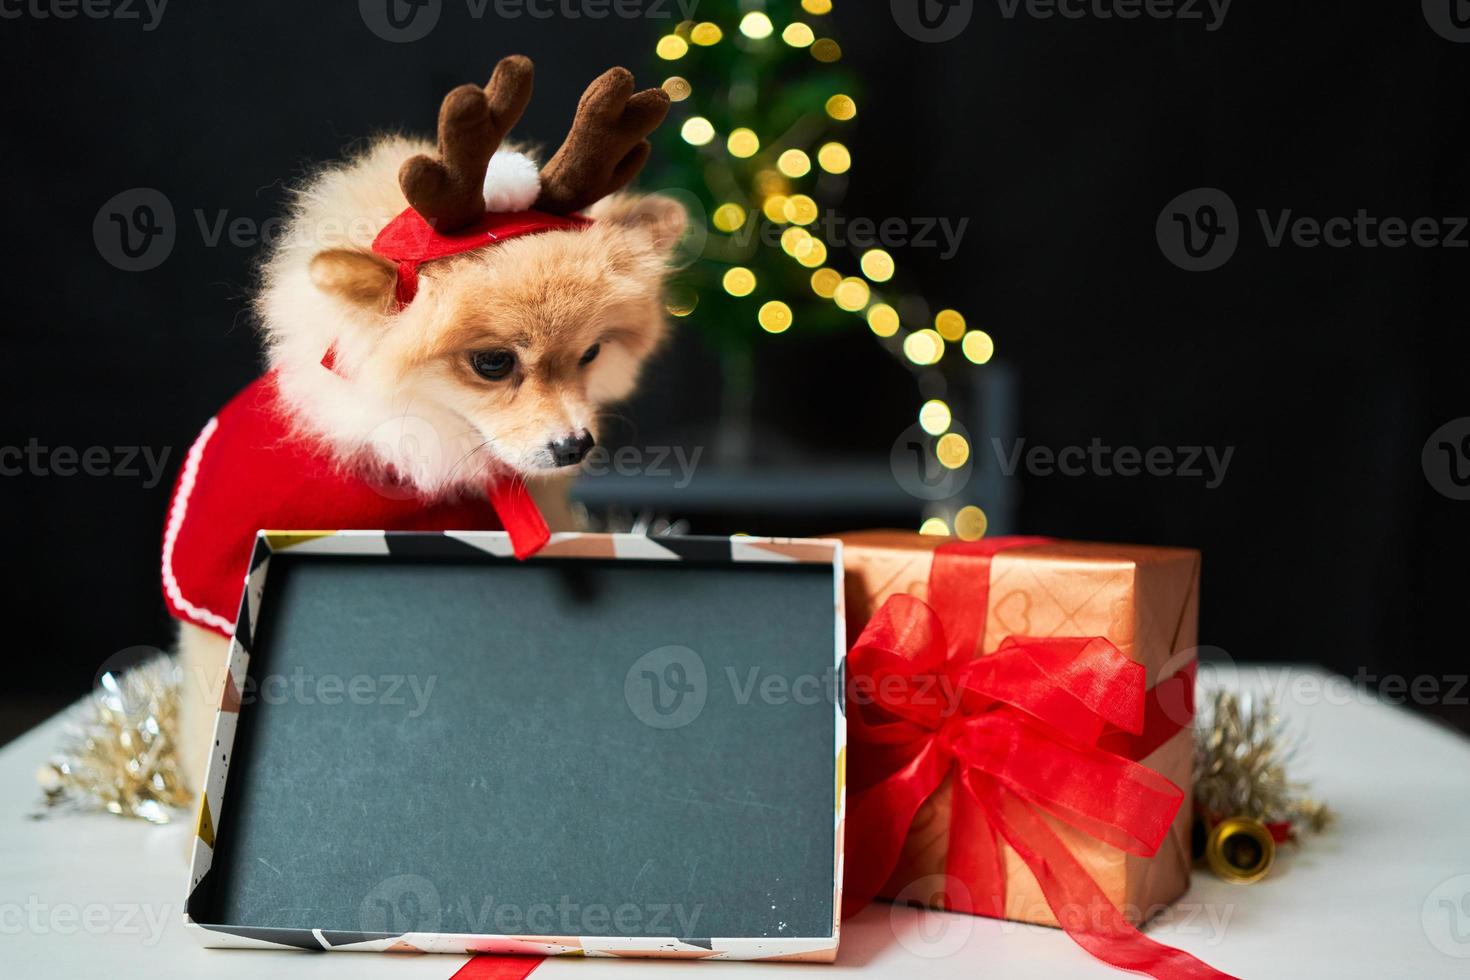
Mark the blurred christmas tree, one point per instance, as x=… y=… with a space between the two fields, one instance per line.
x=757 y=146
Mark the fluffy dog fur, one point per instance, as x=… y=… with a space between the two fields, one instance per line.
x=406 y=395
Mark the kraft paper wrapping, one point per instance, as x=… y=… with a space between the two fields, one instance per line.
x=1144 y=599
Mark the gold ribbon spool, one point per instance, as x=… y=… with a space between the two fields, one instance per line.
x=1240 y=850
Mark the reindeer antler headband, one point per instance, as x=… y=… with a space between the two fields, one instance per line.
x=469 y=197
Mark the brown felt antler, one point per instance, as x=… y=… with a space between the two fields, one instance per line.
x=449 y=190
x=607 y=144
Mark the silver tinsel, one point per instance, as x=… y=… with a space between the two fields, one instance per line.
x=119 y=749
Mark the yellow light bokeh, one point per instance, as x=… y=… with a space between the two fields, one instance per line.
x=794 y=163
x=977 y=346
x=935 y=417
x=852 y=294
x=743 y=143
x=729 y=217
x=769 y=181
x=826 y=50
x=677 y=88
x=841 y=107
x=817 y=7
x=877 y=265
x=756 y=26
x=953 y=450
x=775 y=317
x=800 y=209
x=671 y=47
x=774 y=208
x=970 y=523
x=811 y=253
x=834 y=158
x=706 y=33
x=825 y=282
x=697 y=130
x=883 y=320
x=950 y=324
x=923 y=347
x=682 y=302
x=739 y=281
x=792 y=237
x=935 y=527
x=798 y=35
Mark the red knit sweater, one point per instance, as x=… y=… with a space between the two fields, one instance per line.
x=249 y=470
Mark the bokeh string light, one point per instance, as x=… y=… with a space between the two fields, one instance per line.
x=766 y=142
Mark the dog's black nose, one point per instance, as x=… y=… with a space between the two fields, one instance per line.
x=573 y=449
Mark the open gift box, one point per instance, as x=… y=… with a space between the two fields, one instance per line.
x=623 y=746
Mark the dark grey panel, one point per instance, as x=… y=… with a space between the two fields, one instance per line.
x=462 y=745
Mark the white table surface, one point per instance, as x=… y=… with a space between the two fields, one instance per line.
x=1386 y=893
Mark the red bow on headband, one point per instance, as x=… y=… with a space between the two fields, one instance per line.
x=1029 y=731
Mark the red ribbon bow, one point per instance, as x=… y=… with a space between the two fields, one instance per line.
x=1028 y=731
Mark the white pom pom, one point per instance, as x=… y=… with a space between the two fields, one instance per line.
x=512 y=182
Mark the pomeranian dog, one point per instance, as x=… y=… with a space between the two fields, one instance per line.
x=430 y=366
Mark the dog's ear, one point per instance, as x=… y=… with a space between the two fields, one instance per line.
x=659 y=217
x=359 y=277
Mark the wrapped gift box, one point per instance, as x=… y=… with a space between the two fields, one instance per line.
x=1143 y=599
x=624 y=746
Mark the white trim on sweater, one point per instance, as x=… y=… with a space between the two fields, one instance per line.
x=176 y=514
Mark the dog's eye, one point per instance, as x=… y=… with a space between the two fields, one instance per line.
x=591 y=355
x=493 y=365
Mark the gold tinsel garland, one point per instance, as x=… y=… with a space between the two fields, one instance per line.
x=119 y=750
x=1242 y=749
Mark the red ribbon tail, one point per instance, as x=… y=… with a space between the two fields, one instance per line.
x=873 y=847
x=491 y=967
x=519 y=516
x=1080 y=907
x=975 y=856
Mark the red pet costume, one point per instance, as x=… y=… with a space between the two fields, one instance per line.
x=251 y=469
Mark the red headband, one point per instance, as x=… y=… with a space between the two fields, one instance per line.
x=409 y=240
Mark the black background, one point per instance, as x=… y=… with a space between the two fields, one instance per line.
x=1061 y=140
